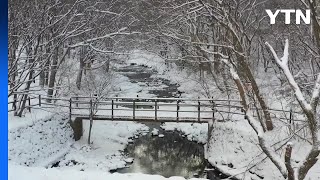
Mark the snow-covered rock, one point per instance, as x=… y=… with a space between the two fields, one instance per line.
x=155 y=132
x=129 y=160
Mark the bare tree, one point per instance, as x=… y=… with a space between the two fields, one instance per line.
x=43 y=33
x=310 y=111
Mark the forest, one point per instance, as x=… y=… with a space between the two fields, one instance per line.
x=215 y=49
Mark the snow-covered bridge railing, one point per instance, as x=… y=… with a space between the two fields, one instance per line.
x=181 y=110
x=146 y=109
x=165 y=109
x=143 y=109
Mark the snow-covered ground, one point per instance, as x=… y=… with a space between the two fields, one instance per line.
x=36 y=173
x=108 y=140
x=235 y=151
x=194 y=132
x=39 y=143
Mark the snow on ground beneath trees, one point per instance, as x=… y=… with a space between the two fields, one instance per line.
x=105 y=153
x=36 y=173
x=234 y=150
x=38 y=141
x=44 y=140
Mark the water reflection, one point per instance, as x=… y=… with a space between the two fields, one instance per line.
x=171 y=155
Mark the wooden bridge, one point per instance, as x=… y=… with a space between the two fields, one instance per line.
x=180 y=110
x=134 y=108
x=143 y=109
x=161 y=110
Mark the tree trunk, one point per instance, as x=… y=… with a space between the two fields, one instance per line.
x=12 y=76
x=23 y=99
x=82 y=58
x=53 y=72
x=46 y=66
x=80 y=72
x=42 y=76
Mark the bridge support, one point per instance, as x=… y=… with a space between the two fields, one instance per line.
x=210 y=126
x=77 y=128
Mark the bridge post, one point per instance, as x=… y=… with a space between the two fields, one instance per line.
x=134 y=109
x=70 y=108
x=198 y=111
x=91 y=120
x=117 y=100
x=77 y=104
x=213 y=110
x=112 y=103
x=29 y=102
x=77 y=127
x=155 y=109
x=39 y=99
x=178 y=110
x=210 y=125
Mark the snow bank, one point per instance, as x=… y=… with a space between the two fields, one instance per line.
x=39 y=143
x=28 y=119
x=235 y=151
x=28 y=173
x=147 y=59
x=108 y=140
x=194 y=132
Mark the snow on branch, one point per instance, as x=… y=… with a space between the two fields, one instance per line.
x=109 y=35
x=284 y=60
x=316 y=93
x=308 y=109
x=105 y=51
x=283 y=64
x=107 y=12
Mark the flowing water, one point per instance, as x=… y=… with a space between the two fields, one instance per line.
x=168 y=154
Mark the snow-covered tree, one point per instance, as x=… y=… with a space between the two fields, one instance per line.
x=312 y=119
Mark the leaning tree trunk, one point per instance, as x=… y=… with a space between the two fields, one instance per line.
x=245 y=67
x=245 y=71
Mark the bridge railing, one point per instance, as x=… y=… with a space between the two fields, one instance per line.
x=177 y=109
x=162 y=109
x=181 y=109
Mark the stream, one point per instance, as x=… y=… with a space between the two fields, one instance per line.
x=169 y=153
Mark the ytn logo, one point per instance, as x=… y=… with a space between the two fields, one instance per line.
x=299 y=15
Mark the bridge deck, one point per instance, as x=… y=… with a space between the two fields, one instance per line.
x=146 y=118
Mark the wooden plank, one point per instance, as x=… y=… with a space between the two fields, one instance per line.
x=173 y=99
x=147 y=119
